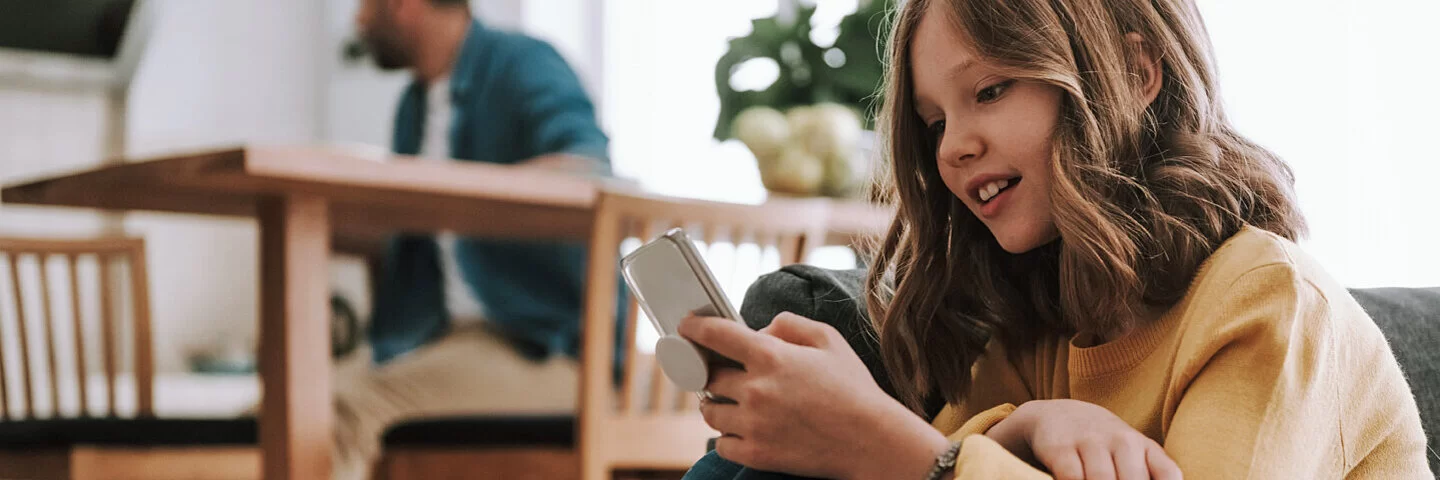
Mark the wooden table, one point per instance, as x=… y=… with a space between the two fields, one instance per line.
x=303 y=199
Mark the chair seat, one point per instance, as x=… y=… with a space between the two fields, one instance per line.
x=64 y=433
x=497 y=431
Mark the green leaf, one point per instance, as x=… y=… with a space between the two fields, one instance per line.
x=806 y=79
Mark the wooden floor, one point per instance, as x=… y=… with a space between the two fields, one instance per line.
x=209 y=463
x=243 y=463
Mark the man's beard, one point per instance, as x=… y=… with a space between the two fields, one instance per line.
x=385 y=47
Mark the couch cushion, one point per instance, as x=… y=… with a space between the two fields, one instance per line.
x=484 y=431
x=830 y=296
x=62 y=433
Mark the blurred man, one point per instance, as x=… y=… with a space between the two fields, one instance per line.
x=470 y=325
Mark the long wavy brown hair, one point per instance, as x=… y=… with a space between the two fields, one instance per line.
x=1143 y=192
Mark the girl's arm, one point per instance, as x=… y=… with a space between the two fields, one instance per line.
x=1291 y=385
x=806 y=405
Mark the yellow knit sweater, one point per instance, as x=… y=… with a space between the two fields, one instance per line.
x=1267 y=368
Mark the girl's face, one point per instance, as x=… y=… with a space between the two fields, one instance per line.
x=993 y=134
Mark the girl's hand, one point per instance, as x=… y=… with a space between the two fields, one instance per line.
x=1079 y=440
x=806 y=405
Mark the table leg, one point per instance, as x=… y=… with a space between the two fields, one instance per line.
x=295 y=415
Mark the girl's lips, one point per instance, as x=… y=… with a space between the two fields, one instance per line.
x=990 y=209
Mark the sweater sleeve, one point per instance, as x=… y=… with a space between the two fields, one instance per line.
x=1259 y=386
x=1262 y=396
x=981 y=423
x=982 y=458
x=997 y=387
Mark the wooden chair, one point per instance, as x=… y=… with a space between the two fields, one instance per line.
x=121 y=438
x=647 y=424
x=641 y=428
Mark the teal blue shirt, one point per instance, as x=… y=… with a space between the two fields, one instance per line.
x=514 y=98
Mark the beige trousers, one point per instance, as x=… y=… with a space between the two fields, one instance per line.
x=469 y=371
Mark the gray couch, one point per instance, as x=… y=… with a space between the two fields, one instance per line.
x=1410 y=319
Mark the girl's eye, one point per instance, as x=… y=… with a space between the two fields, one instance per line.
x=937 y=130
x=992 y=93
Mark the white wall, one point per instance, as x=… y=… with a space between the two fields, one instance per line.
x=359 y=99
x=573 y=27
x=229 y=71
x=1344 y=90
x=46 y=130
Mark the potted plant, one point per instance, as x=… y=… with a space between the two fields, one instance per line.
x=809 y=128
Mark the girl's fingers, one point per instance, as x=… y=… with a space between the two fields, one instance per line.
x=736 y=449
x=727 y=383
x=724 y=417
x=1064 y=465
x=1130 y=462
x=1161 y=466
x=726 y=337
x=802 y=331
x=1099 y=464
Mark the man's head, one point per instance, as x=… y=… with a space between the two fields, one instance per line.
x=392 y=29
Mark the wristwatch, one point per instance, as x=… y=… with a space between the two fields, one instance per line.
x=945 y=462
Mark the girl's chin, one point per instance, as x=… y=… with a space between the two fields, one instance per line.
x=1021 y=240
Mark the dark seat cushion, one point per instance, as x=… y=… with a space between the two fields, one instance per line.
x=152 y=432
x=830 y=296
x=484 y=431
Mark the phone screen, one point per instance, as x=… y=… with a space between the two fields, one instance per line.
x=666 y=286
x=671 y=282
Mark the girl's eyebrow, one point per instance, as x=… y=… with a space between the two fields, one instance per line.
x=960 y=68
x=954 y=72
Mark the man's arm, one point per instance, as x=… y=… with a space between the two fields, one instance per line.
x=557 y=115
x=571 y=163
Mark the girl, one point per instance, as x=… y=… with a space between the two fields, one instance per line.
x=1089 y=264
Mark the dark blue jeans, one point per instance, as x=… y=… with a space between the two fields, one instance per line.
x=712 y=467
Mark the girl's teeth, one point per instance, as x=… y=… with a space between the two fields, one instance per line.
x=991 y=189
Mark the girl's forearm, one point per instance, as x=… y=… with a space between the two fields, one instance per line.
x=907 y=448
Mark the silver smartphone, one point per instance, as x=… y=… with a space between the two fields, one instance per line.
x=670 y=281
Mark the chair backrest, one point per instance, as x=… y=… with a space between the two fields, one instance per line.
x=30 y=324
x=647 y=423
